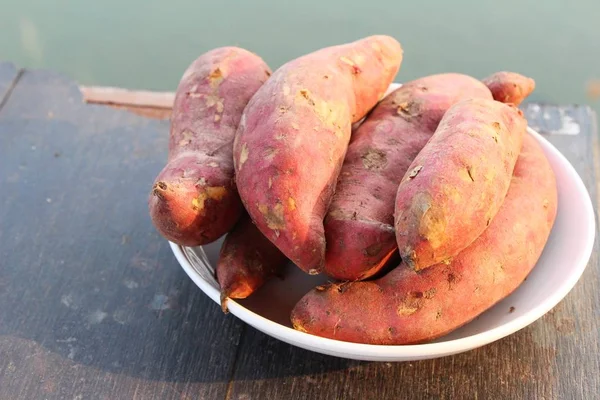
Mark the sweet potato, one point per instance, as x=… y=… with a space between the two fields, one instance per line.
x=411 y=307
x=291 y=142
x=247 y=259
x=509 y=87
x=359 y=226
x=194 y=200
x=457 y=183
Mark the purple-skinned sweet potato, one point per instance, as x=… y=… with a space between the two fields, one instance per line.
x=246 y=261
x=457 y=183
x=194 y=199
x=407 y=307
x=293 y=136
x=359 y=226
x=509 y=87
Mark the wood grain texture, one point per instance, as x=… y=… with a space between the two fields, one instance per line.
x=93 y=303
x=554 y=358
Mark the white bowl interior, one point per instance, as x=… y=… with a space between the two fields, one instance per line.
x=563 y=261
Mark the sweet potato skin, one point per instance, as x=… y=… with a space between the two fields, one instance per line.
x=194 y=200
x=291 y=142
x=509 y=87
x=359 y=226
x=407 y=307
x=246 y=261
x=456 y=184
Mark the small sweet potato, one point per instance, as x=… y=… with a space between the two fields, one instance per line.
x=194 y=200
x=407 y=307
x=293 y=136
x=457 y=183
x=247 y=259
x=359 y=226
x=509 y=87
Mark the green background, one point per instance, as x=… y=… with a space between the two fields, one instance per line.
x=148 y=44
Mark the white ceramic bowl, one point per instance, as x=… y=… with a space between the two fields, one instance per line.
x=563 y=261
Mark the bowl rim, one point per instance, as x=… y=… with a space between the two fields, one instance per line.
x=426 y=350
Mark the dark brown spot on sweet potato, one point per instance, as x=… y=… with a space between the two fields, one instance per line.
x=511 y=309
x=373 y=249
x=451 y=279
x=304 y=93
x=470 y=173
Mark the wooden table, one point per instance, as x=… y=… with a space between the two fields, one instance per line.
x=93 y=304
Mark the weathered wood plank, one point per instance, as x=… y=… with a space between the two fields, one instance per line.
x=8 y=75
x=554 y=358
x=93 y=303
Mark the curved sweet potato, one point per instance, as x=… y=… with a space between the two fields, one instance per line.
x=457 y=183
x=291 y=142
x=509 y=87
x=359 y=226
x=194 y=200
x=407 y=307
x=247 y=259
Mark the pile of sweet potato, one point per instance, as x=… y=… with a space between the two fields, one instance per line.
x=311 y=163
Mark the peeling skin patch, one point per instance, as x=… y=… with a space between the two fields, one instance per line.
x=286 y=90
x=213 y=164
x=270 y=182
x=295 y=126
x=243 y=155
x=270 y=153
x=216 y=192
x=329 y=113
x=433 y=227
x=410 y=304
x=186 y=138
x=273 y=217
x=215 y=78
x=374 y=159
x=415 y=171
x=291 y=203
x=348 y=61
x=201 y=182
x=211 y=192
x=214 y=100
x=217 y=117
